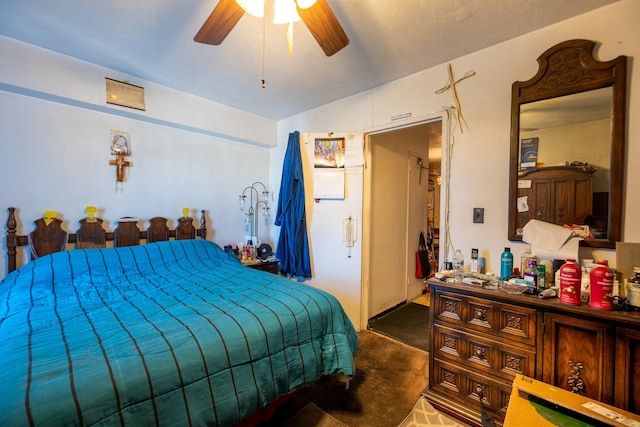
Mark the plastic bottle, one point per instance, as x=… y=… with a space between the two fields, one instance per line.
x=633 y=290
x=570 y=279
x=548 y=272
x=585 y=289
x=531 y=275
x=474 y=264
x=458 y=266
x=506 y=264
x=542 y=277
x=616 y=283
x=601 y=286
x=524 y=263
x=249 y=249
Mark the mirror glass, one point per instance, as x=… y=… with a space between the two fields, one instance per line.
x=573 y=131
x=567 y=139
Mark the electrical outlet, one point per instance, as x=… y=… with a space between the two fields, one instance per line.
x=478 y=215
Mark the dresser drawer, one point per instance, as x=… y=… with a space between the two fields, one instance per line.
x=465 y=387
x=490 y=317
x=494 y=357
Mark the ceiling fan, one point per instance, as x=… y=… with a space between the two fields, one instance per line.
x=318 y=18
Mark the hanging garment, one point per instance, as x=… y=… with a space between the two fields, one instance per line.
x=293 y=244
x=423 y=268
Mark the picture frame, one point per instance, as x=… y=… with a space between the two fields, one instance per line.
x=125 y=94
x=329 y=153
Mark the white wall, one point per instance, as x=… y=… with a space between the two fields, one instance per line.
x=587 y=142
x=480 y=163
x=55 y=127
x=186 y=152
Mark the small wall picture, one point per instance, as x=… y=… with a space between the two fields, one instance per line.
x=528 y=153
x=329 y=153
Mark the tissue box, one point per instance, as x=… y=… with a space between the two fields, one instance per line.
x=551 y=241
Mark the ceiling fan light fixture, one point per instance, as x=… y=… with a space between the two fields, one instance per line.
x=285 y=12
x=305 y=4
x=316 y=15
x=252 y=7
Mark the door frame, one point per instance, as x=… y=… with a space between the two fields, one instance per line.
x=366 y=196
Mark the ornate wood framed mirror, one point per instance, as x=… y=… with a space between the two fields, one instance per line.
x=568 y=127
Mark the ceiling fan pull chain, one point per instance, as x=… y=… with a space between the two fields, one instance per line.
x=290 y=38
x=264 y=31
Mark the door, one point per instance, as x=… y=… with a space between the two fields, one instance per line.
x=627 y=387
x=578 y=356
x=417 y=213
x=389 y=224
x=397 y=187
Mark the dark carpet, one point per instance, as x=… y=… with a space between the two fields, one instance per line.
x=389 y=379
x=408 y=324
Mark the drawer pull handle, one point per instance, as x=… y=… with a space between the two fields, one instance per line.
x=514 y=363
x=480 y=390
x=480 y=314
x=480 y=352
x=576 y=385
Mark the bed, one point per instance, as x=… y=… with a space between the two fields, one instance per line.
x=172 y=332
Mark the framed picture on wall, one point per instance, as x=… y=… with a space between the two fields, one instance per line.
x=329 y=153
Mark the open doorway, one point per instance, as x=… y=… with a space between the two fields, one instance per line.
x=402 y=198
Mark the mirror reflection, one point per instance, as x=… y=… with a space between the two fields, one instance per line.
x=567 y=144
x=574 y=132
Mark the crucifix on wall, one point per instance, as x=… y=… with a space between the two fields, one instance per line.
x=120 y=148
x=451 y=84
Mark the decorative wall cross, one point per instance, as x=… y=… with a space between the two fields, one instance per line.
x=120 y=148
x=451 y=84
x=120 y=163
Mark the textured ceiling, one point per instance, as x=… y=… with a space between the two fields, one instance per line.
x=153 y=40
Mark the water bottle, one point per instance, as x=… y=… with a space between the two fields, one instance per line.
x=458 y=266
x=506 y=264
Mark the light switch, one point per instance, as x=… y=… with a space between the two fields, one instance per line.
x=478 y=215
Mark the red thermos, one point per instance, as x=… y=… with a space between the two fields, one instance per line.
x=601 y=286
x=570 y=282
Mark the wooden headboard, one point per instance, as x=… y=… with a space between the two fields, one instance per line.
x=49 y=236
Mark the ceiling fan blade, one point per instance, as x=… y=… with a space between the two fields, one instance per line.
x=324 y=27
x=220 y=23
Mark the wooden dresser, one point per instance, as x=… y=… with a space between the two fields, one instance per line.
x=481 y=339
x=556 y=194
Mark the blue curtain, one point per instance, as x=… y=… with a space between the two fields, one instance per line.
x=293 y=244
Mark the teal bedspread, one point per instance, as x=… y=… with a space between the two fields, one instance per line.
x=171 y=333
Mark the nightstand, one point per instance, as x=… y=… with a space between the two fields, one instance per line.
x=272 y=266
